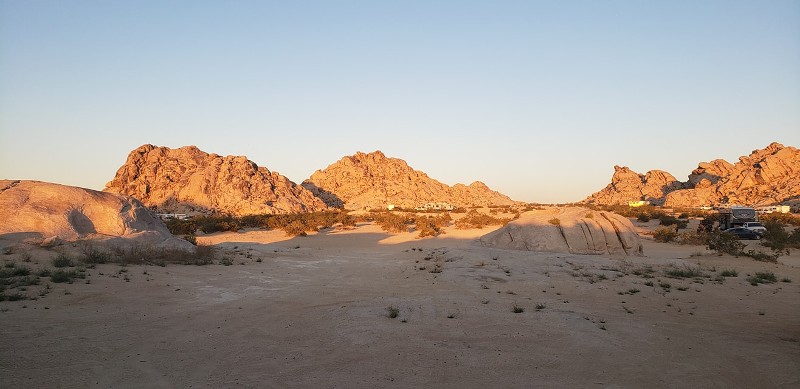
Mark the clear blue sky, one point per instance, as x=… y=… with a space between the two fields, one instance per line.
x=538 y=99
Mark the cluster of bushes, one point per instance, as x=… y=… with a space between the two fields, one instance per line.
x=432 y=225
x=777 y=238
x=782 y=218
x=393 y=221
x=475 y=219
x=292 y=224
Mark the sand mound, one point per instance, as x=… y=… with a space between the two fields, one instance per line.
x=46 y=210
x=568 y=230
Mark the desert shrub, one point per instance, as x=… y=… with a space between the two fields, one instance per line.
x=296 y=228
x=554 y=221
x=93 y=255
x=784 y=218
x=181 y=227
x=760 y=256
x=723 y=242
x=62 y=260
x=683 y=215
x=393 y=222
x=664 y=234
x=392 y=311
x=729 y=273
x=63 y=275
x=643 y=217
x=203 y=255
x=684 y=272
x=692 y=238
x=475 y=219
x=778 y=239
x=432 y=225
x=191 y=239
x=762 y=278
x=666 y=220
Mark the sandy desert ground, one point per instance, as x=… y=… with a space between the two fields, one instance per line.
x=314 y=313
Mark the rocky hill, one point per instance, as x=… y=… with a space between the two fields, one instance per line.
x=766 y=176
x=367 y=181
x=188 y=180
x=42 y=210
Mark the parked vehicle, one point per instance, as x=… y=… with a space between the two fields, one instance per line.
x=756 y=227
x=743 y=233
x=736 y=216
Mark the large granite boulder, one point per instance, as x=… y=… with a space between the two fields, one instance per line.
x=52 y=212
x=572 y=230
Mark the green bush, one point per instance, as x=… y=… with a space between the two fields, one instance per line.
x=723 y=242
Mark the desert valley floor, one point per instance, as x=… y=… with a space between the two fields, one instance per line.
x=315 y=311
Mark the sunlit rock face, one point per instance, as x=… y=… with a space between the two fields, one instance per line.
x=766 y=176
x=188 y=180
x=370 y=181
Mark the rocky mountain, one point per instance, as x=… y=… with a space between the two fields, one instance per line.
x=188 y=180
x=42 y=210
x=367 y=181
x=767 y=176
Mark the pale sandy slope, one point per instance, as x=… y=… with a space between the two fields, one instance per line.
x=313 y=314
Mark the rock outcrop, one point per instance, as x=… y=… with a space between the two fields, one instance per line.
x=766 y=176
x=188 y=180
x=47 y=211
x=366 y=181
x=572 y=230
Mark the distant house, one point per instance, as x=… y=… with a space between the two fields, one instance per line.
x=436 y=206
x=774 y=208
x=170 y=216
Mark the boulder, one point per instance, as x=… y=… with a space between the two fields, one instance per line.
x=572 y=230
x=57 y=213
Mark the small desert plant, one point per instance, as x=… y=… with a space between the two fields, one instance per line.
x=685 y=272
x=540 y=306
x=517 y=309
x=762 y=278
x=61 y=275
x=392 y=311
x=62 y=260
x=555 y=221
x=664 y=235
x=643 y=217
x=92 y=255
x=225 y=261
x=761 y=256
x=729 y=273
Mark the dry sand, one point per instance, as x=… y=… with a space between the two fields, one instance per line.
x=313 y=313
